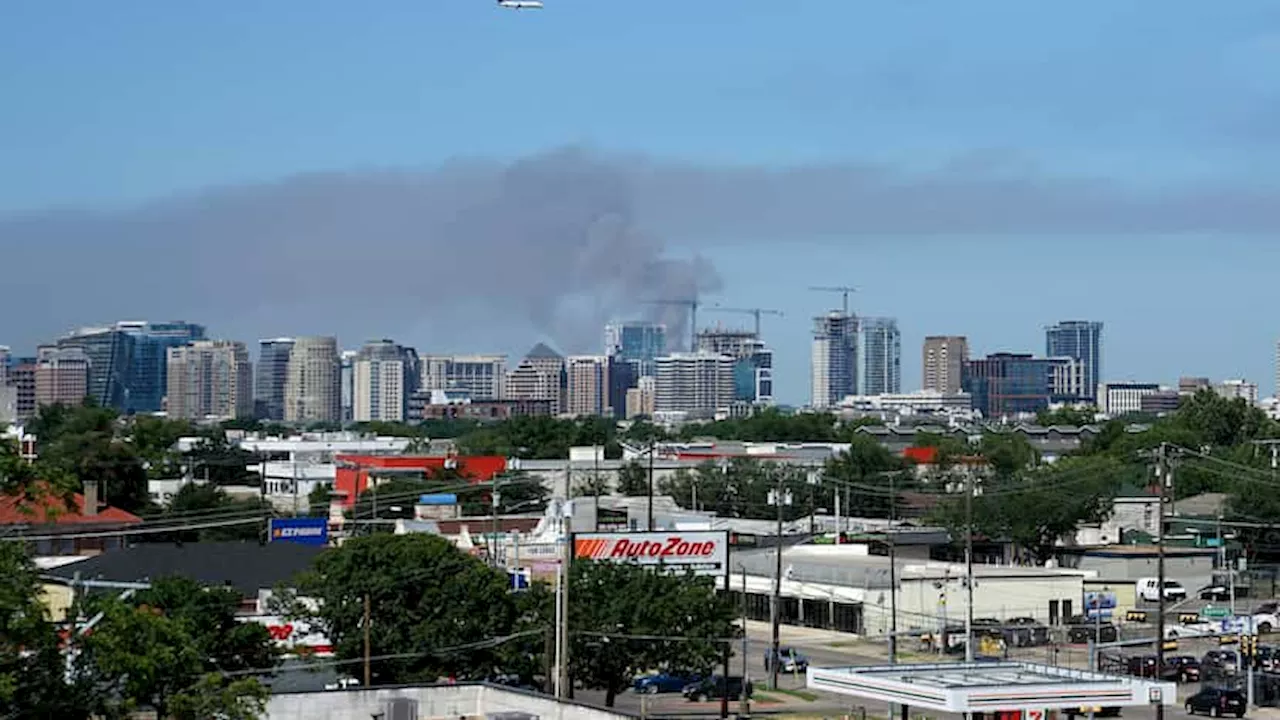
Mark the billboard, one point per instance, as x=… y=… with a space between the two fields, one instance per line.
x=703 y=552
x=305 y=530
x=1099 y=604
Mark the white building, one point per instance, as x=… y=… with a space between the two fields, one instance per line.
x=834 y=359
x=921 y=401
x=1068 y=378
x=880 y=356
x=1238 y=388
x=383 y=377
x=298 y=464
x=698 y=384
x=209 y=379
x=942 y=361
x=482 y=376
x=1122 y=398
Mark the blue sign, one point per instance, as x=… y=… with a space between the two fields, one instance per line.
x=438 y=499
x=1099 y=603
x=305 y=530
x=519 y=579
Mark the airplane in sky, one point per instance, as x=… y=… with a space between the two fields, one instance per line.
x=521 y=4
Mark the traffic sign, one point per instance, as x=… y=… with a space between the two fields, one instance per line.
x=1213 y=612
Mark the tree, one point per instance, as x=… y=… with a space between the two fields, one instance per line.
x=860 y=474
x=633 y=479
x=432 y=604
x=82 y=441
x=216 y=460
x=154 y=439
x=201 y=502
x=39 y=482
x=32 y=668
x=1068 y=416
x=613 y=602
x=1007 y=453
x=211 y=697
x=208 y=615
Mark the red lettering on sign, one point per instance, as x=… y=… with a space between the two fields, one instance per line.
x=280 y=632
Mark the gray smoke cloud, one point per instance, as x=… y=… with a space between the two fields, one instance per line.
x=550 y=246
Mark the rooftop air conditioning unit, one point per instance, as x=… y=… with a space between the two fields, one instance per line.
x=402 y=709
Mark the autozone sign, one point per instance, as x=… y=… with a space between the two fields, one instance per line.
x=706 y=553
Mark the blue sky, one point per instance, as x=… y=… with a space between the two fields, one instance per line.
x=114 y=105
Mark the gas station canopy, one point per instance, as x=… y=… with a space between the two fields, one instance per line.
x=987 y=687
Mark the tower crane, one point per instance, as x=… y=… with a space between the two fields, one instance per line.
x=754 y=312
x=844 y=291
x=692 y=304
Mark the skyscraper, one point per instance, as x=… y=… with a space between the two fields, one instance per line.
x=110 y=354
x=880 y=348
x=148 y=374
x=209 y=379
x=540 y=376
x=347 y=380
x=700 y=384
x=479 y=376
x=587 y=384
x=63 y=376
x=312 y=390
x=1008 y=384
x=384 y=376
x=752 y=362
x=943 y=358
x=637 y=341
x=273 y=374
x=1081 y=340
x=834 y=368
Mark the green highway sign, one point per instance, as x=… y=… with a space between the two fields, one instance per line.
x=1212 y=612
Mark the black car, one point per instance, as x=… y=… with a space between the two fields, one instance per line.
x=1181 y=668
x=1142 y=666
x=1081 y=629
x=1026 y=632
x=715 y=687
x=988 y=626
x=1220 y=662
x=1217 y=702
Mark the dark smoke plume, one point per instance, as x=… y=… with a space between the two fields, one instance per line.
x=472 y=254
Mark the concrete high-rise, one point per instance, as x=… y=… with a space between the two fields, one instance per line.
x=480 y=377
x=637 y=341
x=587 y=385
x=943 y=362
x=880 y=356
x=63 y=376
x=312 y=390
x=540 y=376
x=752 y=362
x=699 y=384
x=209 y=380
x=272 y=376
x=22 y=379
x=347 y=381
x=384 y=376
x=1081 y=340
x=834 y=361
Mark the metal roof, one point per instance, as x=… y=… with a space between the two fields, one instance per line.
x=990 y=686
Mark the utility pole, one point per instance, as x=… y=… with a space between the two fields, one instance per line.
x=780 y=498
x=368 y=653
x=968 y=563
x=744 y=703
x=652 y=445
x=493 y=533
x=1164 y=477
x=893 y=575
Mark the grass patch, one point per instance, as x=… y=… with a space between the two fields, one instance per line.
x=804 y=695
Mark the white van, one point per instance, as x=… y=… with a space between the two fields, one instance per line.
x=1148 y=590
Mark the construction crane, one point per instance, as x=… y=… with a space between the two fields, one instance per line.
x=754 y=312
x=692 y=304
x=844 y=291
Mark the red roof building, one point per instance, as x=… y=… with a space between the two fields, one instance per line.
x=352 y=475
x=48 y=518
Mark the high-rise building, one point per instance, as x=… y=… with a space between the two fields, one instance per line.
x=209 y=380
x=148 y=371
x=63 y=376
x=587 y=384
x=880 y=356
x=834 y=361
x=1082 y=340
x=752 y=363
x=1277 y=391
x=641 y=342
x=1193 y=385
x=1238 y=389
x=479 y=376
x=8 y=393
x=1008 y=384
x=385 y=376
x=640 y=398
x=624 y=375
x=5 y=360
x=699 y=384
x=347 y=381
x=540 y=376
x=944 y=357
x=312 y=391
x=22 y=378
x=272 y=376
x=110 y=353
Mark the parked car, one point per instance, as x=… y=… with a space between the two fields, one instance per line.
x=1082 y=629
x=1142 y=666
x=1148 y=589
x=1026 y=632
x=791 y=661
x=1217 y=702
x=1221 y=593
x=715 y=687
x=1191 y=630
x=1219 y=662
